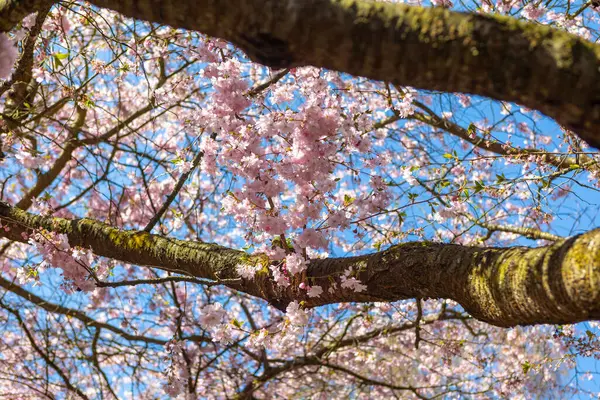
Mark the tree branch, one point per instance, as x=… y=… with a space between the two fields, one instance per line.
x=87 y=320
x=13 y=11
x=428 y=48
x=46 y=357
x=156 y=218
x=493 y=146
x=558 y=283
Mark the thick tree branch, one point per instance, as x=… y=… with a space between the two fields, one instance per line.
x=428 y=48
x=559 y=283
x=13 y=11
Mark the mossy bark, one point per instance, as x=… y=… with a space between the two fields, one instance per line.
x=429 y=48
x=13 y=11
x=559 y=283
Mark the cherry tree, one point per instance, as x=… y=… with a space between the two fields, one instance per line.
x=298 y=199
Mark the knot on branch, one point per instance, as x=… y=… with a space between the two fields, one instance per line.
x=266 y=49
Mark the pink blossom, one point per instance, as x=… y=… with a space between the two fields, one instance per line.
x=41 y=74
x=464 y=100
x=312 y=238
x=530 y=11
x=247 y=271
x=29 y=21
x=211 y=315
x=65 y=25
x=352 y=283
x=8 y=56
x=56 y=252
x=283 y=94
x=295 y=263
x=28 y=161
x=295 y=314
x=408 y=177
x=222 y=333
x=443 y=3
x=279 y=277
x=258 y=339
x=315 y=291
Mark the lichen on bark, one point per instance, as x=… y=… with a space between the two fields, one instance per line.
x=558 y=283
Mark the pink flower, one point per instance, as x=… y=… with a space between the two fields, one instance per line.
x=530 y=11
x=247 y=271
x=295 y=314
x=29 y=21
x=295 y=264
x=64 y=23
x=464 y=100
x=351 y=282
x=442 y=3
x=315 y=291
x=222 y=334
x=8 y=56
x=408 y=177
x=26 y=159
x=354 y=284
x=279 y=277
x=211 y=315
x=312 y=238
x=258 y=339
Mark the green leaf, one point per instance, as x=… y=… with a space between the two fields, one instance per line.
x=237 y=323
x=589 y=334
x=348 y=200
x=479 y=186
x=276 y=243
x=526 y=367
x=472 y=129
x=443 y=183
x=545 y=183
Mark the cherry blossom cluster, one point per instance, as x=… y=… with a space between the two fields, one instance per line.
x=75 y=262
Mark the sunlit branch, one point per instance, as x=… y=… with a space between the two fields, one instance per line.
x=500 y=286
x=488 y=55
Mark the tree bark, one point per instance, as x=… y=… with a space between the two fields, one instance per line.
x=429 y=48
x=559 y=283
x=13 y=11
